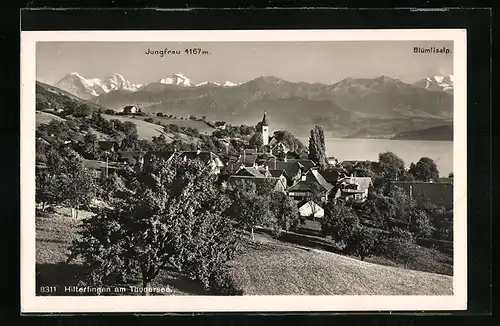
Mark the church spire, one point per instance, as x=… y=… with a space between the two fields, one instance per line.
x=264 y=120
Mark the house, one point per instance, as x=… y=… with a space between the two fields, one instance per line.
x=306 y=163
x=100 y=168
x=206 y=157
x=332 y=160
x=277 y=183
x=310 y=209
x=437 y=193
x=293 y=170
x=130 y=157
x=262 y=158
x=248 y=158
x=282 y=175
x=276 y=147
x=252 y=172
x=109 y=145
x=353 y=188
x=220 y=125
x=333 y=174
x=311 y=183
x=164 y=155
x=130 y=109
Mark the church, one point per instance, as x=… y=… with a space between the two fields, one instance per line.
x=270 y=143
x=265 y=130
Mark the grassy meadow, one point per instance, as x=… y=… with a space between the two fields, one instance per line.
x=265 y=266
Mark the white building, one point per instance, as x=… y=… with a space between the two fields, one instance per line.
x=265 y=130
x=311 y=209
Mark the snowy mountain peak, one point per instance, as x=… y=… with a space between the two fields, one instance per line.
x=87 y=88
x=437 y=83
x=230 y=84
x=226 y=84
x=177 y=79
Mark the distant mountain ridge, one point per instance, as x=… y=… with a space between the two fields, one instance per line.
x=440 y=133
x=378 y=97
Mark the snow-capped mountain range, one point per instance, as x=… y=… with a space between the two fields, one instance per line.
x=88 y=88
x=181 y=80
x=437 y=83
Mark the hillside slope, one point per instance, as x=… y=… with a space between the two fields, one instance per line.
x=277 y=269
x=147 y=130
x=439 y=133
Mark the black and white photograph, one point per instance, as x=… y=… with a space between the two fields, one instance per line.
x=241 y=171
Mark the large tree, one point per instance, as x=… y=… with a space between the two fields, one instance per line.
x=285 y=211
x=425 y=169
x=391 y=166
x=256 y=141
x=65 y=180
x=174 y=218
x=340 y=222
x=293 y=144
x=317 y=146
x=250 y=205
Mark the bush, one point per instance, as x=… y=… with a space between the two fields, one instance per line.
x=396 y=245
x=221 y=283
x=340 y=222
x=363 y=242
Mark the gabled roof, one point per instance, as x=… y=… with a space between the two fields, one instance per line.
x=308 y=202
x=331 y=175
x=249 y=172
x=311 y=177
x=291 y=168
x=306 y=163
x=363 y=183
x=319 y=178
x=277 y=173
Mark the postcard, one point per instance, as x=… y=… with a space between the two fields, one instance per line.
x=243 y=171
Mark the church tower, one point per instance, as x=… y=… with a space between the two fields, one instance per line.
x=265 y=130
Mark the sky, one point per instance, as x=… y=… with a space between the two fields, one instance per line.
x=324 y=62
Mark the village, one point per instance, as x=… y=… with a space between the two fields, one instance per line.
x=298 y=177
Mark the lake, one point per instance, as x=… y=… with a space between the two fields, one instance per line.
x=408 y=150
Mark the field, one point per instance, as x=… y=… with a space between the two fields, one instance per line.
x=147 y=130
x=46 y=117
x=275 y=268
x=263 y=267
x=201 y=126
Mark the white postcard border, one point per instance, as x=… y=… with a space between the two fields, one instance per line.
x=32 y=303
